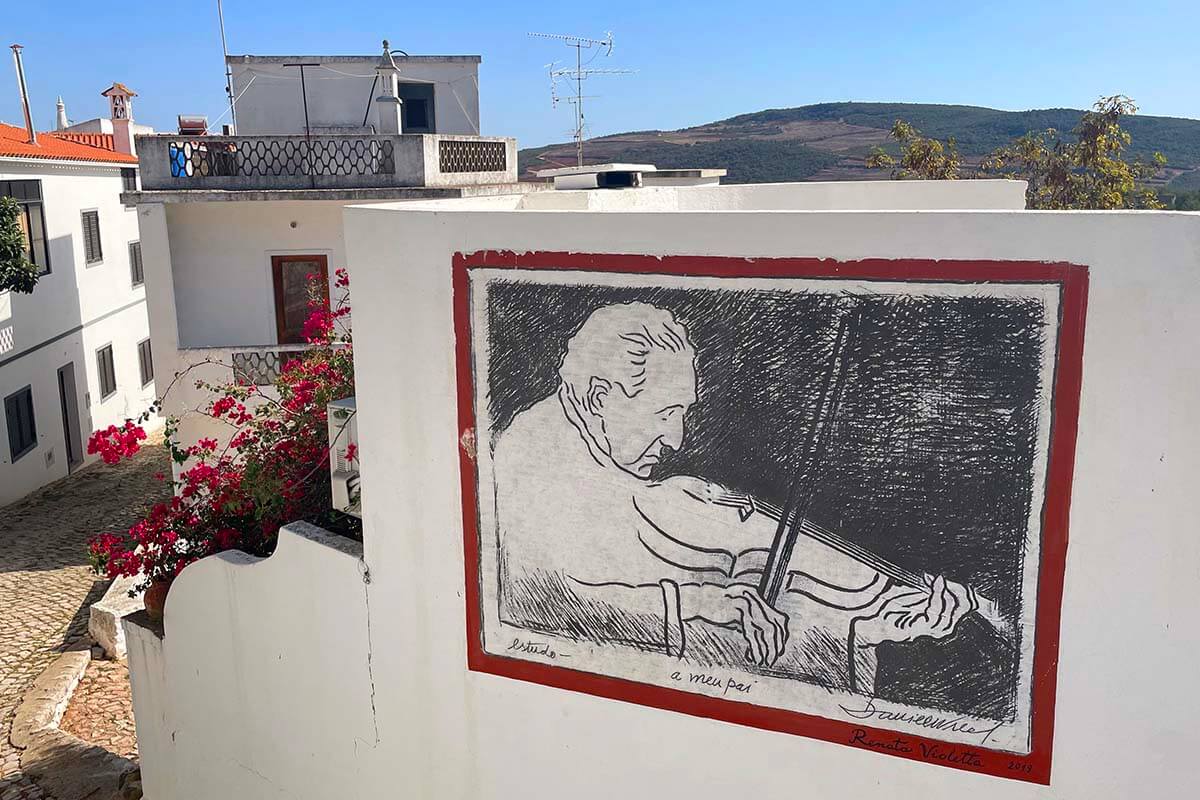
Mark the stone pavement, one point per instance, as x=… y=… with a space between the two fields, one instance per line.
x=101 y=709
x=46 y=585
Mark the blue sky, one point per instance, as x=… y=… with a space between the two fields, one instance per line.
x=696 y=61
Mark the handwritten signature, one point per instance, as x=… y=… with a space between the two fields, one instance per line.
x=535 y=648
x=930 y=752
x=930 y=721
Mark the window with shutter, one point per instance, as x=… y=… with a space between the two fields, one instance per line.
x=92 y=251
x=106 y=371
x=145 y=362
x=135 y=263
x=28 y=195
x=18 y=415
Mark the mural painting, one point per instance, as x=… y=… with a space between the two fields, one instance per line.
x=828 y=499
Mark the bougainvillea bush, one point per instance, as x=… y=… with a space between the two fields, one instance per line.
x=273 y=468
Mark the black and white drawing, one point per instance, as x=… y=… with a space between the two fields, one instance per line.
x=815 y=495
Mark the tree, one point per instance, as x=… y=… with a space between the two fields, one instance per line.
x=920 y=157
x=16 y=272
x=1091 y=172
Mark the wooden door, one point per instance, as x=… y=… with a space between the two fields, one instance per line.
x=290 y=274
x=69 y=402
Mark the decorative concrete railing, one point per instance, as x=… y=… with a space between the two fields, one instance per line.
x=327 y=161
x=246 y=366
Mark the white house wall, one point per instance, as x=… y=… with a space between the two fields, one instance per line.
x=76 y=309
x=1130 y=582
x=339 y=93
x=221 y=264
x=1128 y=622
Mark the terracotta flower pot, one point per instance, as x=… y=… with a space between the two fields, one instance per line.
x=155 y=599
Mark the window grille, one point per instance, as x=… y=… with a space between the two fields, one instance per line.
x=470 y=155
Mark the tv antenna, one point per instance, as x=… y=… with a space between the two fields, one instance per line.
x=577 y=75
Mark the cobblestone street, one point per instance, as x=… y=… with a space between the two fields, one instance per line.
x=101 y=709
x=46 y=587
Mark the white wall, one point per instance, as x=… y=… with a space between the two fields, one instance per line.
x=338 y=92
x=1131 y=586
x=1129 y=630
x=309 y=634
x=75 y=309
x=221 y=263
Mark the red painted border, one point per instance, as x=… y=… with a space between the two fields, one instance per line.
x=1064 y=422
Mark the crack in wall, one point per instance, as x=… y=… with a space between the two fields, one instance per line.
x=366 y=576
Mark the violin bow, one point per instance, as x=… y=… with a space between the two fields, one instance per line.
x=803 y=486
x=791 y=517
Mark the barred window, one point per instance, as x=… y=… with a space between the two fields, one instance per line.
x=22 y=431
x=135 y=263
x=145 y=362
x=107 y=372
x=92 y=252
x=28 y=195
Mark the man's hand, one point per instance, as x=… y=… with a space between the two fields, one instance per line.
x=914 y=613
x=738 y=605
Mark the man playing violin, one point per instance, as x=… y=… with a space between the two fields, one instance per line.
x=592 y=546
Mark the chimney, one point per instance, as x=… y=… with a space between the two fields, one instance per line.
x=120 y=104
x=60 y=117
x=388 y=99
x=16 y=48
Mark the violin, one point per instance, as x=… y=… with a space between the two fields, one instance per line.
x=701 y=526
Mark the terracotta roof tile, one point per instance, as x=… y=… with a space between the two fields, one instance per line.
x=102 y=140
x=56 y=146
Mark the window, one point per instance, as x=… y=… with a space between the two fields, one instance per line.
x=135 y=263
x=418 y=115
x=22 y=432
x=416 y=112
x=128 y=179
x=145 y=362
x=108 y=374
x=28 y=195
x=290 y=275
x=92 y=252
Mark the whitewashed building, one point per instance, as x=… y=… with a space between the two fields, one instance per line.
x=232 y=225
x=344 y=669
x=75 y=354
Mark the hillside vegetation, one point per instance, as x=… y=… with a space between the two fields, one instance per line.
x=829 y=141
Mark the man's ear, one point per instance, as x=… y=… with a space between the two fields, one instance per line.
x=597 y=395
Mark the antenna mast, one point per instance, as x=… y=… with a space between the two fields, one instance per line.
x=228 y=71
x=577 y=75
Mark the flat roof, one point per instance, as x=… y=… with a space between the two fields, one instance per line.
x=367 y=195
x=374 y=58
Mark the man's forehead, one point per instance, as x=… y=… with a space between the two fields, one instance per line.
x=672 y=376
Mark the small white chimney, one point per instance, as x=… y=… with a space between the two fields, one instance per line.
x=60 y=117
x=120 y=104
x=388 y=100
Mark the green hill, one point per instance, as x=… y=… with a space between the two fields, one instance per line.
x=829 y=141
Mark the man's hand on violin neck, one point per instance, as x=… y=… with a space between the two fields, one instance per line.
x=910 y=614
x=764 y=629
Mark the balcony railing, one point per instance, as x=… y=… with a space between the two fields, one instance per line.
x=326 y=161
